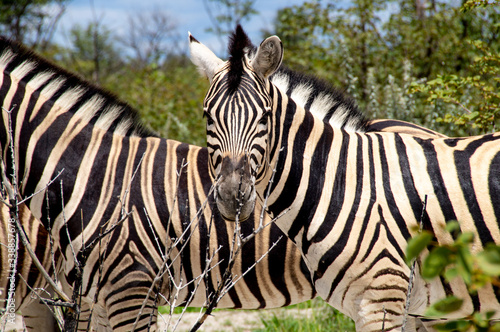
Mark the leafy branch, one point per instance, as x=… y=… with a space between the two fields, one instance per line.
x=456 y=260
x=477 y=96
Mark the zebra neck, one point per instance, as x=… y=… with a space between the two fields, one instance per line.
x=302 y=146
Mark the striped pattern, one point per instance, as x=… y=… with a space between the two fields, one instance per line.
x=38 y=87
x=107 y=159
x=351 y=199
x=36 y=315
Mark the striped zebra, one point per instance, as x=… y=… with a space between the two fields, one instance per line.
x=63 y=123
x=349 y=198
x=36 y=316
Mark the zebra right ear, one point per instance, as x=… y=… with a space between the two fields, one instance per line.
x=204 y=59
x=268 y=57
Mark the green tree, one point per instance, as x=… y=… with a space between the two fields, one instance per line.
x=165 y=88
x=375 y=50
x=169 y=97
x=31 y=22
x=94 y=53
x=473 y=90
x=340 y=43
x=226 y=14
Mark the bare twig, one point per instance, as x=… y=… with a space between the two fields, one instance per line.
x=43 y=189
x=46 y=302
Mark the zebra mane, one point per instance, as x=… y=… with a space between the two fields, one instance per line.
x=239 y=45
x=321 y=98
x=94 y=104
x=315 y=95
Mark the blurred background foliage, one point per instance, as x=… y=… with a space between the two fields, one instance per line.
x=430 y=62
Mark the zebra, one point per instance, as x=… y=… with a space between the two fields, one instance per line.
x=349 y=198
x=61 y=123
x=54 y=114
x=37 y=316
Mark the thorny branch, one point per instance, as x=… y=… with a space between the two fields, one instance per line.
x=169 y=254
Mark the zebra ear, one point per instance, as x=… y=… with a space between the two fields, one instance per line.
x=204 y=59
x=268 y=56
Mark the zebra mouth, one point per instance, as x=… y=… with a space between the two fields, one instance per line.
x=237 y=206
x=235 y=189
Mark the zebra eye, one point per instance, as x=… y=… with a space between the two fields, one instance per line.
x=264 y=118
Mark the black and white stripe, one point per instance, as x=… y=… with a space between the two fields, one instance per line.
x=63 y=124
x=36 y=85
x=350 y=198
x=27 y=277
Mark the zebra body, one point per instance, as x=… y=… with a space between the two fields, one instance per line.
x=80 y=134
x=61 y=124
x=350 y=199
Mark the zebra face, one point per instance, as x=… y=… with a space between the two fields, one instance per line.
x=237 y=108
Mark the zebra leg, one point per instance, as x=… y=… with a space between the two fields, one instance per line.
x=124 y=307
x=96 y=314
x=376 y=299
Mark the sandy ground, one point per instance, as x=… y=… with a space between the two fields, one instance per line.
x=221 y=321
x=236 y=321
x=241 y=321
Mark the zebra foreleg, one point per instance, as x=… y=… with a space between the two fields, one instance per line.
x=128 y=312
x=376 y=301
x=97 y=315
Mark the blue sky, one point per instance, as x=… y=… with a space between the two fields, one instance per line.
x=189 y=15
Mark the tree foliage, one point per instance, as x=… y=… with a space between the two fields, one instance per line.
x=32 y=22
x=375 y=49
x=476 y=94
x=94 y=53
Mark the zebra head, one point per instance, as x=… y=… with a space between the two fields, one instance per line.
x=237 y=107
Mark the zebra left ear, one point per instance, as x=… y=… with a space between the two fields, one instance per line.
x=204 y=59
x=268 y=56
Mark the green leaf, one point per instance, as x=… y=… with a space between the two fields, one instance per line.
x=473 y=115
x=464 y=264
x=453 y=225
x=450 y=273
x=465 y=238
x=456 y=325
x=417 y=244
x=489 y=260
x=437 y=260
x=445 y=306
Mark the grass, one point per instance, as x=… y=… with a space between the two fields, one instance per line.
x=311 y=316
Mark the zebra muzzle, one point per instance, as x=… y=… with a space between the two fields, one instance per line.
x=235 y=189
